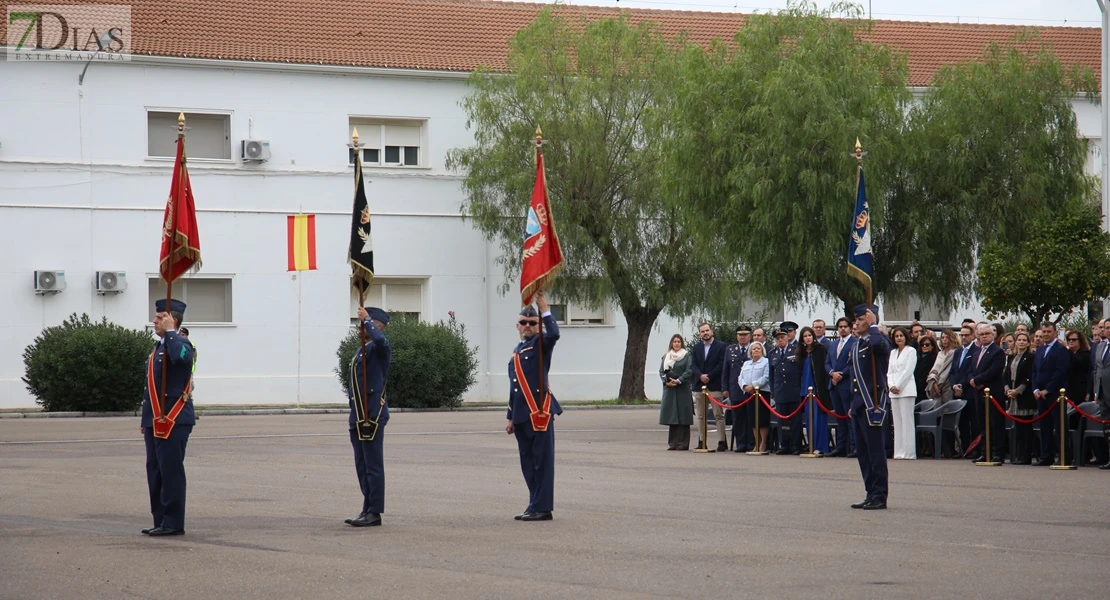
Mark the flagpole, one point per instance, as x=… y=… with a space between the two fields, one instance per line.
x=174 y=198
x=543 y=371
x=363 y=339
x=300 y=278
x=875 y=399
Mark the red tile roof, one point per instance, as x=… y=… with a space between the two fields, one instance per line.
x=460 y=35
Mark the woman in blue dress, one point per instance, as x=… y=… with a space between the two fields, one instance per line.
x=812 y=356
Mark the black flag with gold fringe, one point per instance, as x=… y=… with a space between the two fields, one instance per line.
x=361 y=252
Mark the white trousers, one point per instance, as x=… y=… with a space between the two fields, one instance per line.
x=905 y=435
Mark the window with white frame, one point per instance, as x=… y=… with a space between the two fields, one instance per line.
x=207 y=135
x=398 y=297
x=905 y=306
x=572 y=313
x=207 y=299
x=388 y=142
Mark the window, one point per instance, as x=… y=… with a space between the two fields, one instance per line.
x=905 y=306
x=388 y=142
x=206 y=135
x=208 y=300
x=571 y=313
x=398 y=297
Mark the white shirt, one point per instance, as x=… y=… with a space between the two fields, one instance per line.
x=899 y=373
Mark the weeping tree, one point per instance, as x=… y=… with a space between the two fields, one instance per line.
x=604 y=94
x=989 y=147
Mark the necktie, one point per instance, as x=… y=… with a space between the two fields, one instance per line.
x=1105 y=347
x=840 y=347
x=978 y=358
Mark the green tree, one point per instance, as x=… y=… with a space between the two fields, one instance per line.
x=1064 y=263
x=604 y=94
x=990 y=144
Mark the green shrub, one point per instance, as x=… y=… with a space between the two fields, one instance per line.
x=84 y=365
x=432 y=366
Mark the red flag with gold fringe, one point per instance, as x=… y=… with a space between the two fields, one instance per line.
x=542 y=255
x=180 y=237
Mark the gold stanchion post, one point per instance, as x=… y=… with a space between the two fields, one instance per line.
x=703 y=425
x=987 y=462
x=758 y=430
x=811 y=453
x=1063 y=400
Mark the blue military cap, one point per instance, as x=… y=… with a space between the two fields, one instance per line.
x=176 y=306
x=788 y=326
x=378 y=314
x=743 y=329
x=861 y=309
x=529 y=311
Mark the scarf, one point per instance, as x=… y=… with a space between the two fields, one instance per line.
x=671 y=357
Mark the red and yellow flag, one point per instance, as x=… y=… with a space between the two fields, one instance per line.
x=180 y=251
x=302 y=242
x=542 y=257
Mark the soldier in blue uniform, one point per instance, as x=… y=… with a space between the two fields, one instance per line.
x=531 y=412
x=369 y=414
x=735 y=357
x=786 y=385
x=870 y=402
x=166 y=428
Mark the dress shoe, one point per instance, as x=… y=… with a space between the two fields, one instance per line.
x=783 y=452
x=852 y=454
x=836 y=453
x=670 y=447
x=860 y=504
x=147 y=530
x=361 y=515
x=722 y=447
x=874 y=505
x=1045 y=462
x=160 y=531
x=536 y=516
x=367 y=520
x=1105 y=467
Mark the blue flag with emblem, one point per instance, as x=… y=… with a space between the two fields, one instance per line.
x=859 y=242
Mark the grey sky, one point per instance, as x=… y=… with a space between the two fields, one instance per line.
x=1075 y=13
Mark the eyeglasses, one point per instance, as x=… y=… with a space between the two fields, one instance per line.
x=528 y=323
x=1073 y=339
x=926 y=345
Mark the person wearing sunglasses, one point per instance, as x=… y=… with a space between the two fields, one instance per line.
x=532 y=408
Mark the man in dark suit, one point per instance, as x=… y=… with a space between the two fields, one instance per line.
x=838 y=365
x=870 y=404
x=987 y=372
x=532 y=409
x=959 y=375
x=369 y=414
x=735 y=357
x=1100 y=377
x=709 y=362
x=166 y=427
x=1051 y=364
x=786 y=385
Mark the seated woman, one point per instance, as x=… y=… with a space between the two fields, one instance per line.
x=756 y=373
x=677 y=408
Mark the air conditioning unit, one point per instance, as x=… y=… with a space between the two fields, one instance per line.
x=49 y=282
x=110 y=282
x=256 y=150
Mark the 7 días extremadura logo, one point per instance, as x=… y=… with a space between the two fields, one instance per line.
x=69 y=28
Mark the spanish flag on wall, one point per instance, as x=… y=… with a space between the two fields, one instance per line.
x=302 y=242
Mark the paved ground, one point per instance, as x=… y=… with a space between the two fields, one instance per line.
x=268 y=494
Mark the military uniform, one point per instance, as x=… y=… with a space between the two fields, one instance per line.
x=368 y=417
x=735 y=357
x=166 y=428
x=869 y=408
x=535 y=433
x=786 y=386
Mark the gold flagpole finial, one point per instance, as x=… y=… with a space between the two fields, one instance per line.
x=859 y=153
x=181 y=124
x=539 y=136
x=354 y=137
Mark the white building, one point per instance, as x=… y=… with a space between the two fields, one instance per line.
x=85 y=169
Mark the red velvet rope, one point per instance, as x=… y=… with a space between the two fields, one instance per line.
x=1019 y=419
x=787 y=417
x=1084 y=413
x=833 y=413
x=730 y=406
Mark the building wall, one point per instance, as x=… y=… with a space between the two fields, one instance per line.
x=79 y=194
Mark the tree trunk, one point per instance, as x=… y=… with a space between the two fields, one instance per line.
x=640 y=321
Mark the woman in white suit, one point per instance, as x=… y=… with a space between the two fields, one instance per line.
x=903 y=393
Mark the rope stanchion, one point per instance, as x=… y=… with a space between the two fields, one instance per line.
x=1062 y=401
x=703 y=423
x=1087 y=415
x=811 y=453
x=1019 y=419
x=731 y=406
x=987 y=462
x=829 y=412
x=782 y=416
x=759 y=441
